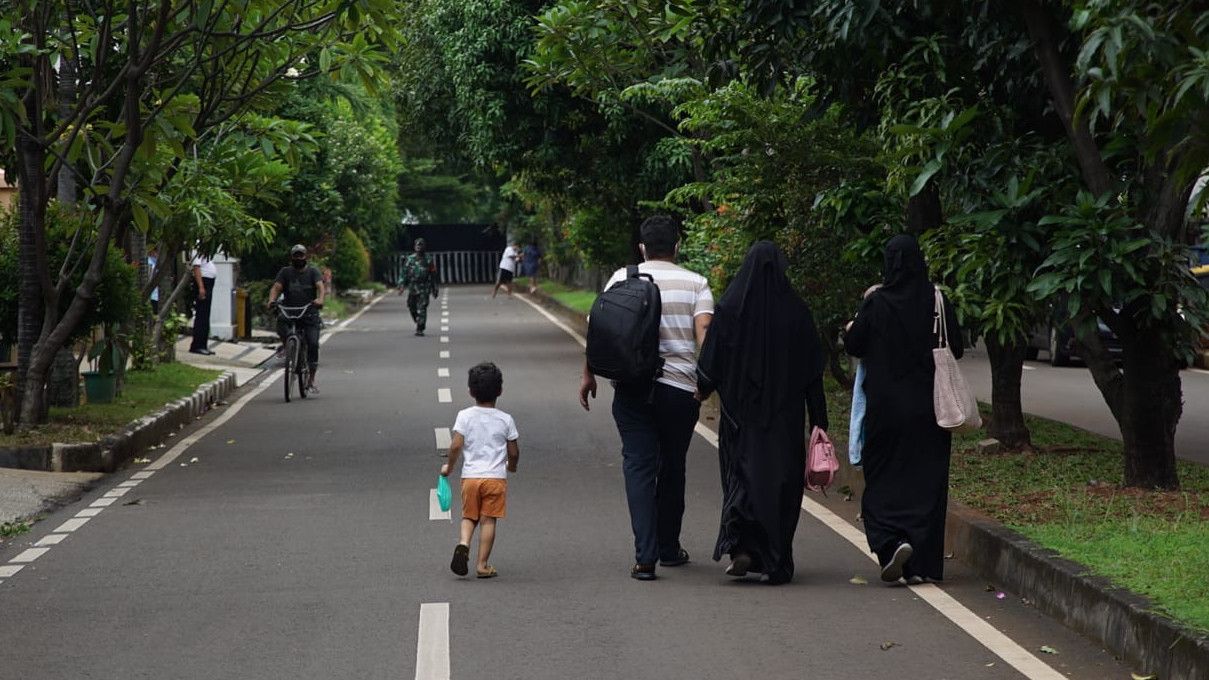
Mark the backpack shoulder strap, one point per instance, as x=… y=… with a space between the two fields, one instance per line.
x=631 y=271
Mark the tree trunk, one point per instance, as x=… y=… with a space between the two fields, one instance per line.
x=924 y=211
x=32 y=181
x=67 y=193
x=1153 y=404
x=64 y=388
x=1007 y=415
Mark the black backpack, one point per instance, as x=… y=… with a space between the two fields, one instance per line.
x=623 y=330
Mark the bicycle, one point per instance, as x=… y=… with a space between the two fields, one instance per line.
x=295 y=350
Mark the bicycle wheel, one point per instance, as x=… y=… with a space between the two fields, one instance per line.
x=304 y=370
x=291 y=360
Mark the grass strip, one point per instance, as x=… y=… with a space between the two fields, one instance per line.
x=574 y=298
x=145 y=392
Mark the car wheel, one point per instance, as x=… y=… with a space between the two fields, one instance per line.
x=1057 y=357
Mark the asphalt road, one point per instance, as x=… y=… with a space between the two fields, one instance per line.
x=1070 y=395
x=299 y=545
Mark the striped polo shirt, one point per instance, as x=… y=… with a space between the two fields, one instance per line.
x=684 y=296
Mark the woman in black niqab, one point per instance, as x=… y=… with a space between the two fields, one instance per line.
x=906 y=455
x=763 y=356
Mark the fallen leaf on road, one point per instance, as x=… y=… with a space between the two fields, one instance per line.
x=1000 y=595
x=1135 y=676
x=1046 y=649
x=990 y=664
x=194 y=460
x=230 y=441
x=142 y=460
x=858 y=581
x=887 y=645
x=137 y=501
x=949 y=556
x=184 y=465
x=988 y=588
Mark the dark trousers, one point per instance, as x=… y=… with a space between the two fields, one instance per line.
x=656 y=429
x=417 y=304
x=201 y=318
x=308 y=328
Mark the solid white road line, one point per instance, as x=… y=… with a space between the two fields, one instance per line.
x=444 y=395
x=986 y=635
x=444 y=354
x=442 y=372
x=554 y=320
x=444 y=338
x=29 y=556
x=434 y=507
x=990 y=637
x=443 y=437
x=51 y=539
x=432 y=648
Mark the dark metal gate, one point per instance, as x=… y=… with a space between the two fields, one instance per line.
x=463 y=253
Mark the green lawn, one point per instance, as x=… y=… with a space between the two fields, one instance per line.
x=145 y=391
x=574 y=298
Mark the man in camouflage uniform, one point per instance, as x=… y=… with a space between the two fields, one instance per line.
x=420 y=279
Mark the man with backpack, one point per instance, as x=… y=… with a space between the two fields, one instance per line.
x=643 y=334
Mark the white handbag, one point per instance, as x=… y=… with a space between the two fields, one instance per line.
x=954 y=403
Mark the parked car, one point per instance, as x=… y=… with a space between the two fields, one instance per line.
x=1058 y=341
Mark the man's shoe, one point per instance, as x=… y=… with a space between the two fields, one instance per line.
x=894 y=569
x=419 y=334
x=203 y=352
x=643 y=572
x=739 y=565
x=681 y=558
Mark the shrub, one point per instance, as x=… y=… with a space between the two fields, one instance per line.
x=349 y=261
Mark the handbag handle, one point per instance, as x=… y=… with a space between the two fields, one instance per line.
x=939 y=325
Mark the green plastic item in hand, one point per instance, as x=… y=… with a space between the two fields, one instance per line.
x=444 y=493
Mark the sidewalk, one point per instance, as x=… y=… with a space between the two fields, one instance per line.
x=245 y=359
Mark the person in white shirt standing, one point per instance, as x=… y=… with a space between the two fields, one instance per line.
x=507 y=269
x=204 y=274
x=486 y=438
x=656 y=424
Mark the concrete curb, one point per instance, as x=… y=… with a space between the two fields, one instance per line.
x=1120 y=620
x=114 y=450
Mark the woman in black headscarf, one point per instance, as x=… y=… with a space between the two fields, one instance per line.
x=906 y=455
x=763 y=357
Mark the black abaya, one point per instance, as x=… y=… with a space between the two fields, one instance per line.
x=906 y=454
x=763 y=356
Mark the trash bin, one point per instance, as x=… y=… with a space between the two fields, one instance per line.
x=243 y=326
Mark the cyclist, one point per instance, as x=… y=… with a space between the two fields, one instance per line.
x=302 y=285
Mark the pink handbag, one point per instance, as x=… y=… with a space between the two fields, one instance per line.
x=821 y=463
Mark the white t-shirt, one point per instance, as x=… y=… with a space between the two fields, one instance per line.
x=487 y=432
x=684 y=296
x=208 y=270
x=509 y=260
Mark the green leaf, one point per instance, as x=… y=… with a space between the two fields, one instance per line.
x=931 y=168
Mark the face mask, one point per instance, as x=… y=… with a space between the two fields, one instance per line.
x=298 y=264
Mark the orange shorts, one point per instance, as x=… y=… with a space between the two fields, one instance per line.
x=484 y=497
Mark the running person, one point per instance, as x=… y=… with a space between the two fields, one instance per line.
x=420 y=278
x=507 y=269
x=302 y=285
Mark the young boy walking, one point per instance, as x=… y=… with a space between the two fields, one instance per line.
x=486 y=438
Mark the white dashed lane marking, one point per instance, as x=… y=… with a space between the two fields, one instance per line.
x=442 y=372
x=443 y=437
x=89 y=512
x=142 y=475
x=444 y=338
x=444 y=354
x=51 y=539
x=29 y=555
x=432 y=647
x=444 y=396
x=71 y=525
x=434 y=508
x=10 y=570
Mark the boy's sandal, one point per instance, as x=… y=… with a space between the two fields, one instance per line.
x=461 y=560
x=490 y=573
